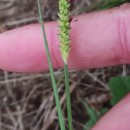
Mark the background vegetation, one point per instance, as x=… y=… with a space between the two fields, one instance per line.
x=26 y=100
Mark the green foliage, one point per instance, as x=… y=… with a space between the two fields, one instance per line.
x=93 y=114
x=119 y=87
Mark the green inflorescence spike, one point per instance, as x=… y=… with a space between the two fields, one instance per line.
x=64 y=28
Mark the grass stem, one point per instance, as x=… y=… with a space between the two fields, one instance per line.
x=60 y=115
x=68 y=97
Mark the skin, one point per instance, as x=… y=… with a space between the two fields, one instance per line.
x=98 y=39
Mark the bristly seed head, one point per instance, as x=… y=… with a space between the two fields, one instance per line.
x=64 y=28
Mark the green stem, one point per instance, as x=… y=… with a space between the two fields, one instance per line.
x=60 y=115
x=68 y=97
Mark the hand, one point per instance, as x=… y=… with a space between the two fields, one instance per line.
x=97 y=39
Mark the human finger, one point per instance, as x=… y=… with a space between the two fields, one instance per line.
x=118 y=118
x=98 y=39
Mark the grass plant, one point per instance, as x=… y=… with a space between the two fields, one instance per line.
x=64 y=30
x=64 y=24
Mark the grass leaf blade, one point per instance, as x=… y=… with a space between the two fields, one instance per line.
x=60 y=115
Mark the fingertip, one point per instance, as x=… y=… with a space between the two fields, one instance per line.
x=22 y=49
x=117 y=118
